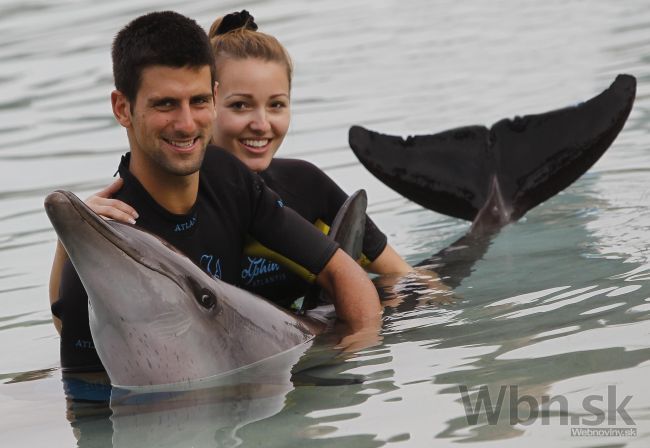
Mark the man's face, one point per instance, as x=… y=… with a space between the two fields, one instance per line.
x=170 y=122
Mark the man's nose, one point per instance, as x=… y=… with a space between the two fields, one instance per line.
x=184 y=121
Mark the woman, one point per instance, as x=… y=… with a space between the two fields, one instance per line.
x=253 y=112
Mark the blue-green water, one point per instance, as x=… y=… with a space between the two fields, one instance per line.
x=558 y=307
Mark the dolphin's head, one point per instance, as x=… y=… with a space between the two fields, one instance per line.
x=157 y=318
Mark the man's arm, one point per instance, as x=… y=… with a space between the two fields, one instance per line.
x=355 y=297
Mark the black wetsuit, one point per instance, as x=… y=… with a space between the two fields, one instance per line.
x=317 y=198
x=232 y=203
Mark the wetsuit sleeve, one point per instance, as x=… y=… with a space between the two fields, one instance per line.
x=260 y=213
x=284 y=231
x=374 y=240
x=77 y=349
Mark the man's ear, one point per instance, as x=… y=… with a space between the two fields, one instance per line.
x=121 y=108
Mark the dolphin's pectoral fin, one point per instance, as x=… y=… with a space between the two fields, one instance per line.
x=531 y=157
x=348 y=229
x=349 y=225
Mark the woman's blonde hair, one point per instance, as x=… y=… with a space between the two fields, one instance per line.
x=243 y=42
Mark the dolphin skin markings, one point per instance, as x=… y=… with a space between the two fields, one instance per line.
x=494 y=176
x=158 y=319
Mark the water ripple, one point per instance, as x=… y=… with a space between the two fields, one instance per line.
x=635 y=336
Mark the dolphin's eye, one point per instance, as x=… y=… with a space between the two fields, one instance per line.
x=206 y=299
x=203 y=295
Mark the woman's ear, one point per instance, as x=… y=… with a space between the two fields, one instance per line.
x=121 y=108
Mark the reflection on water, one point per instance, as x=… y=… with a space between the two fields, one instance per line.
x=210 y=414
x=556 y=304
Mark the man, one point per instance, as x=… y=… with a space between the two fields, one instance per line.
x=164 y=98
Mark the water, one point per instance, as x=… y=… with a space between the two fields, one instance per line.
x=559 y=306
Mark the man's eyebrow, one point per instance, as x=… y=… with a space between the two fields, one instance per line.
x=169 y=99
x=203 y=96
x=161 y=100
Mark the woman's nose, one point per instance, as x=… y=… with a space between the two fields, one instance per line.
x=260 y=122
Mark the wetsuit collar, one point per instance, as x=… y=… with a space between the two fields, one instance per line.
x=178 y=223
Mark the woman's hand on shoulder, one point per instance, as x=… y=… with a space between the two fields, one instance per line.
x=108 y=208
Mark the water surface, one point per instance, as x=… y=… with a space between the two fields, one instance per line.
x=559 y=306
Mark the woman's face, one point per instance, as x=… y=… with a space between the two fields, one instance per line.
x=252 y=109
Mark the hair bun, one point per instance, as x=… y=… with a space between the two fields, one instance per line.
x=236 y=20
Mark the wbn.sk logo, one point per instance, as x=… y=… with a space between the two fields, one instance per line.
x=525 y=409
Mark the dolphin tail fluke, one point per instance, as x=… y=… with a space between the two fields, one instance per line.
x=524 y=161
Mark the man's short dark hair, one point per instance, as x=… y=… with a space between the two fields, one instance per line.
x=159 y=38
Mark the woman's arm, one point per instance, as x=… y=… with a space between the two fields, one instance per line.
x=389 y=262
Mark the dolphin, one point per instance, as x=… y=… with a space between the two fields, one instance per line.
x=494 y=176
x=156 y=318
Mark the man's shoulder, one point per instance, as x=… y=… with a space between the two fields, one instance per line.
x=224 y=174
x=217 y=159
